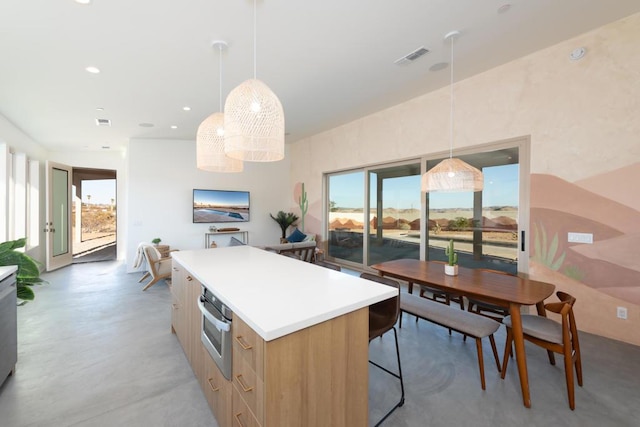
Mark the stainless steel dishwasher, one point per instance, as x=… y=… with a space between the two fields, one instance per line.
x=8 y=322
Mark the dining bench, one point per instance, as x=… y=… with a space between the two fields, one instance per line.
x=464 y=322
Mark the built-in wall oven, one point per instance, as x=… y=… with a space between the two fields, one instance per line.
x=216 y=330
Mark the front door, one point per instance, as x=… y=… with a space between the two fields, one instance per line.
x=58 y=216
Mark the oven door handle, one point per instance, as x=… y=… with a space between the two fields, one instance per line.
x=219 y=324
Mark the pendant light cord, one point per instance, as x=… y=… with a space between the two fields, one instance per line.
x=255 y=37
x=451 y=95
x=220 y=69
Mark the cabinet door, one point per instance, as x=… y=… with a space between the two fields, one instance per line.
x=217 y=390
x=193 y=319
x=177 y=298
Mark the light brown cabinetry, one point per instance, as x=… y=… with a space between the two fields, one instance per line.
x=178 y=310
x=186 y=321
x=317 y=376
x=217 y=390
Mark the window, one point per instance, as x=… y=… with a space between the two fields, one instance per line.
x=485 y=226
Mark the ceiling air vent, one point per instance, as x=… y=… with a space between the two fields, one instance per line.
x=103 y=122
x=410 y=57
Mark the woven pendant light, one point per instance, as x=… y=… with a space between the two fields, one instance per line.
x=210 y=155
x=254 y=119
x=452 y=175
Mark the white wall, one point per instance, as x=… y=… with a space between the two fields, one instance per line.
x=17 y=141
x=162 y=175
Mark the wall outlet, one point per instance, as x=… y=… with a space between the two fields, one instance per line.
x=580 y=237
x=622 y=313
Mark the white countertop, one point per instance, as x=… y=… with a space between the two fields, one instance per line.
x=5 y=271
x=277 y=295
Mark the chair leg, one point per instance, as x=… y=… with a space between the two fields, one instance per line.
x=576 y=355
x=552 y=358
x=495 y=352
x=150 y=284
x=144 y=277
x=480 y=361
x=568 y=371
x=398 y=375
x=400 y=321
x=578 y=364
x=507 y=352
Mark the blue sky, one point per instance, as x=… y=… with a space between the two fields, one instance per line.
x=100 y=190
x=500 y=189
x=222 y=198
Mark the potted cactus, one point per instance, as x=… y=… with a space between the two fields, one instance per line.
x=451 y=269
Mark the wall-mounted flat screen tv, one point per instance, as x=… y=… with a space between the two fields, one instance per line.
x=220 y=206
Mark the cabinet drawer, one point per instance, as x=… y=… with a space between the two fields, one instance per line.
x=249 y=386
x=248 y=345
x=217 y=390
x=177 y=280
x=242 y=416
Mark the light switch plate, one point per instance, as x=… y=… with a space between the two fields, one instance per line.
x=580 y=238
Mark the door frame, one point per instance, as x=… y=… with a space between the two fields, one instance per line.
x=53 y=261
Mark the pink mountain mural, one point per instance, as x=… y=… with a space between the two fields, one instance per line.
x=608 y=265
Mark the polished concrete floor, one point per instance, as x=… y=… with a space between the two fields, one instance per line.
x=94 y=350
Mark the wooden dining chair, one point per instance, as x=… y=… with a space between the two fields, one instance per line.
x=382 y=318
x=486 y=309
x=556 y=337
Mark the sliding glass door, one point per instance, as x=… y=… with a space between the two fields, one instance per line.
x=346 y=218
x=483 y=225
x=394 y=209
x=399 y=221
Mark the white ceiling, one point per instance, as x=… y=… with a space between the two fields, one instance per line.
x=329 y=61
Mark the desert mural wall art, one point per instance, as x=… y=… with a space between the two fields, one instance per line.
x=605 y=207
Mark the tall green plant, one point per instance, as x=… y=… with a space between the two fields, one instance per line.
x=28 y=271
x=304 y=206
x=545 y=252
x=284 y=220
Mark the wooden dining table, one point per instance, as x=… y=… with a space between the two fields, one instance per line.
x=499 y=289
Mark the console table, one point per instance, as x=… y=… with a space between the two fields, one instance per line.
x=210 y=236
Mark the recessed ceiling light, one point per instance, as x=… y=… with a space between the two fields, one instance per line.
x=439 y=66
x=93 y=70
x=174 y=127
x=99 y=109
x=186 y=108
x=83 y=1
x=146 y=125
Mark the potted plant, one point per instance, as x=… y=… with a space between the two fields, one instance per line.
x=28 y=273
x=451 y=269
x=156 y=241
x=284 y=220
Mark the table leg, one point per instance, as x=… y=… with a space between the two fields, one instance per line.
x=410 y=287
x=521 y=358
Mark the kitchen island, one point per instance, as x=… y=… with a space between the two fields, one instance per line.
x=300 y=337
